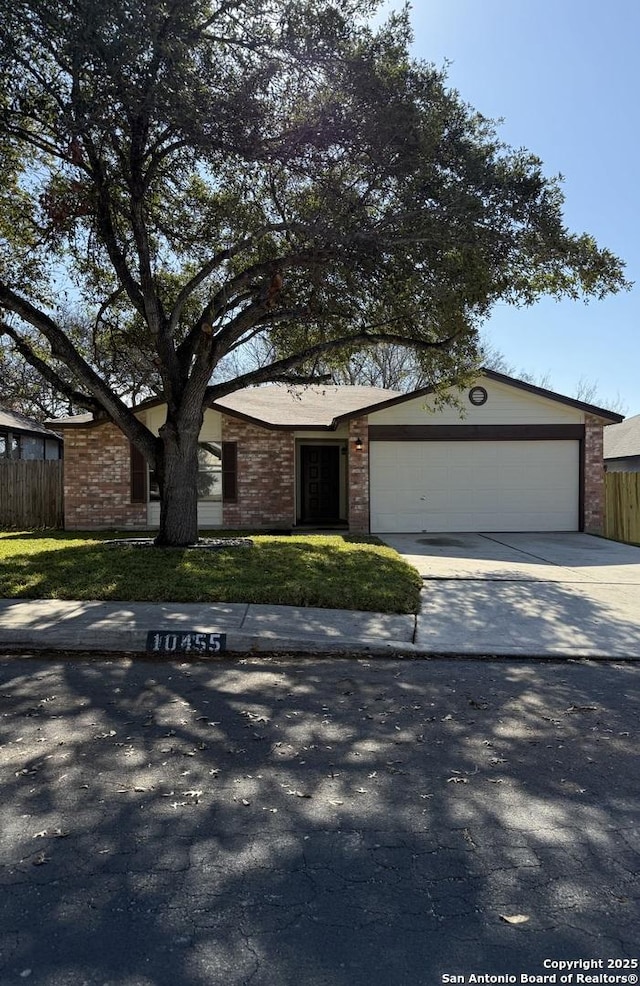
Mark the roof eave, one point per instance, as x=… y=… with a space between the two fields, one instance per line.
x=598 y=412
x=270 y=425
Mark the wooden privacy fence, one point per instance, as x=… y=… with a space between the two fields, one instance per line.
x=622 y=506
x=31 y=493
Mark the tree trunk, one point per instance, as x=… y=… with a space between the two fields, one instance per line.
x=178 y=480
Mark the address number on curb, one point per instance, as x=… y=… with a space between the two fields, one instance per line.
x=185 y=642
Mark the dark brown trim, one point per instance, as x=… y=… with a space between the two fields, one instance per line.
x=597 y=412
x=475 y=433
x=229 y=472
x=621 y=458
x=379 y=405
x=138 y=476
x=268 y=425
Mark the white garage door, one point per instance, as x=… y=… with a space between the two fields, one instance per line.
x=474 y=486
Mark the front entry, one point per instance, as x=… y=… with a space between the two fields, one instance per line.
x=320 y=484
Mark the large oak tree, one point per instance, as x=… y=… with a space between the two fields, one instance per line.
x=195 y=174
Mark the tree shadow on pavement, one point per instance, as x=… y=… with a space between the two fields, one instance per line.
x=319 y=822
x=519 y=617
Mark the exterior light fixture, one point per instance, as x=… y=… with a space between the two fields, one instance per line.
x=358 y=443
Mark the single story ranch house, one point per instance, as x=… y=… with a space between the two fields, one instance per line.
x=508 y=457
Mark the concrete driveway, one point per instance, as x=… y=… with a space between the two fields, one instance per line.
x=548 y=595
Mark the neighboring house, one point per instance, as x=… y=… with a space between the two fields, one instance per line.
x=622 y=446
x=24 y=438
x=509 y=457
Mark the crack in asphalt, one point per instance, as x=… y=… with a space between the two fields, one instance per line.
x=358 y=837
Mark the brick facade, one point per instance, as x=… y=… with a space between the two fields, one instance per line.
x=593 y=475
x=358 y=476
x=97 y=480
x=265 y=476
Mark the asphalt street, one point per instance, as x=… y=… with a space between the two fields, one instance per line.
x=326 y=822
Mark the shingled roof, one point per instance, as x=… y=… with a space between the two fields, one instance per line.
x=623 y=440
x=303 y=407
x=281 y=405
x=14 y=421
x=324 y=406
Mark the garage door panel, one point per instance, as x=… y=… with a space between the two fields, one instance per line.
x=474 y=486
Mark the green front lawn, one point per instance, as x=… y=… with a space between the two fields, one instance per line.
x=333 y=571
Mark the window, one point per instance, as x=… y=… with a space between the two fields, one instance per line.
x=52 y=448
x=209 y=471
x=209 y=474
x=28 y=447
x=31 y=447
x=138 y=483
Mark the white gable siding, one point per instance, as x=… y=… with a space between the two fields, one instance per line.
x=154 y=418
x=505 y=405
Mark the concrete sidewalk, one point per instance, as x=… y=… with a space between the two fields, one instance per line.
x=53 y=624
x=510 y=595
x=457 y=618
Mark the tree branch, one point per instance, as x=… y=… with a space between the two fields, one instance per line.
x=49 y=374
x=275 y=370
x=64 y=349
x=302 y=380
x=217 y=261
x=107 y=229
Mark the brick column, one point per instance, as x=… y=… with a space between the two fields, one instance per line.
x=265 y=476
x=358 y=476
x=593 y=475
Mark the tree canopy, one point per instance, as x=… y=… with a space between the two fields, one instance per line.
x=196 y=174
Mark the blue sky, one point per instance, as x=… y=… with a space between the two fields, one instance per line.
x=565 y=77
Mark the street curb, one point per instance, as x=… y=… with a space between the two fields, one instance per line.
x=133 y=643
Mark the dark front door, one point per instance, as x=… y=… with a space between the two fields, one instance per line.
x=320 y=477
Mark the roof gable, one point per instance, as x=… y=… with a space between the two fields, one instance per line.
x=501 y=378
